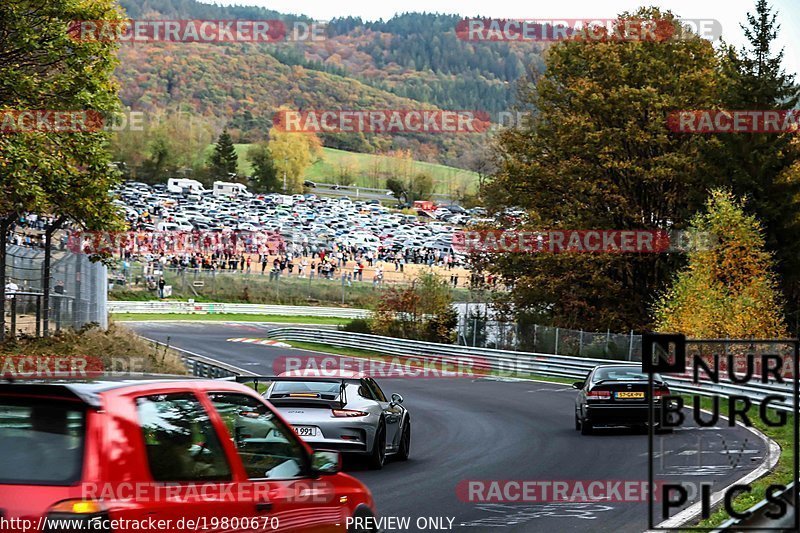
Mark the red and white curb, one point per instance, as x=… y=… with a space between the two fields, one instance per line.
x=265 y=342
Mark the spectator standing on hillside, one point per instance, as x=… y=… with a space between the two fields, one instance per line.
x=161 y=285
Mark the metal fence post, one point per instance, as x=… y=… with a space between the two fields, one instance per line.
x=76 y=303
x=57 y=303
x=555 y=349
x=38 y=315
x=580 y=343
x=14 y=317
x=630 y=347
x=535 y=326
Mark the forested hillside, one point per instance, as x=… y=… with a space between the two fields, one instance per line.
x=411 y=61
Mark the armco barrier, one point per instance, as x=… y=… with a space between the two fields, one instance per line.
x=179 y=307
x=513 y=362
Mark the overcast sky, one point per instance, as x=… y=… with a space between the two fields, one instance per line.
x=730 y=13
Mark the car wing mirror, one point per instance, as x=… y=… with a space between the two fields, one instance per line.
x=396 y=399
x=326 y=462
x=578 y=385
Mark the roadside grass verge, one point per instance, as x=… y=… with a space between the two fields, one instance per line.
x=118 y=348
x=781 y=475
x=230 y=317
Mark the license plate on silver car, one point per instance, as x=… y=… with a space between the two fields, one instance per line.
x=306 y=431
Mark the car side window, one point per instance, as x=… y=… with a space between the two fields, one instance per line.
x=365 y=391
x=181 y=443
x=377 y=390
x=266 y=446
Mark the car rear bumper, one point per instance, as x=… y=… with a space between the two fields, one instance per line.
x=622 y=414
x=341 y=445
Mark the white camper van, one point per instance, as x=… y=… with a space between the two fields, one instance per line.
x=226 y=188
x=184 y=186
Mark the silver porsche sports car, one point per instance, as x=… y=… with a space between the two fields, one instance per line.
x=342 y=410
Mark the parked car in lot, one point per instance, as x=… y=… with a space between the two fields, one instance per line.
x=361 y=224
x=616 y=395
x=345 y=411
x=76 y=450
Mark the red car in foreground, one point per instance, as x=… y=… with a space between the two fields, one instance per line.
x=168 y=455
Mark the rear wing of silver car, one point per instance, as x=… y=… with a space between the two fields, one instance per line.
x=299 y=398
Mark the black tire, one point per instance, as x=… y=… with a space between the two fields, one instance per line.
x=577 y=422
x=378 y=456
x=586 y=427
x=405 y=443
x=361 y=512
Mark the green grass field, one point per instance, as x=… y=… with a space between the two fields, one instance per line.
x=370 y=170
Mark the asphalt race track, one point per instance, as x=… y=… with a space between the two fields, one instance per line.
x=482 y=429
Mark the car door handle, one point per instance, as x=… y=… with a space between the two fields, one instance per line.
x=263 y=507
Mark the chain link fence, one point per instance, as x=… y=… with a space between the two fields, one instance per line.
x=479 y=331
x=78 y=291
x=138 y=281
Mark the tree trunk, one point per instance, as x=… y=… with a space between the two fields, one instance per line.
x=48 y=238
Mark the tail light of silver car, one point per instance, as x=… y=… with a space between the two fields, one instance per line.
x=347 y=413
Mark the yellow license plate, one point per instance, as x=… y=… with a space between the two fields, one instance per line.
x=627 y=395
